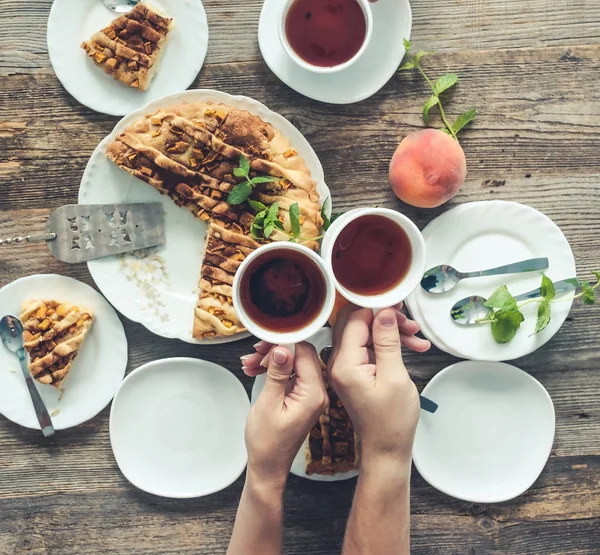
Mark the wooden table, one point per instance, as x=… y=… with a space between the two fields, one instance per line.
x=531 y=68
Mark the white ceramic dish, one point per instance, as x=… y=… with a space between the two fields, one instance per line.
x=73 y=21
x=480 y=235
x=158 y=287
x=320 y=340
x=177 y=427
x=392 y=22
x=96 y=373
x=491 y=436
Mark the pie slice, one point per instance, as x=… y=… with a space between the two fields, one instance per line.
x=54 y=333
x=189 y=152
x=130 y=47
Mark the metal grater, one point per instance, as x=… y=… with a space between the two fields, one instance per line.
x=80 y=232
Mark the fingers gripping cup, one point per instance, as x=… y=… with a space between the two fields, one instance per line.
x=283 y=293
x=376 y=256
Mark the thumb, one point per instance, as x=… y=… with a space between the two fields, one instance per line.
x=279 y=372
x=386 y=342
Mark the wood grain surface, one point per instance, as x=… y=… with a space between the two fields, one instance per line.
x=531 y=68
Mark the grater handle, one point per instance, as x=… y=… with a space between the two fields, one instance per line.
x=29 y=239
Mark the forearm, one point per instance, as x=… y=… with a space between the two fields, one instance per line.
x=379 y=522
x=259 y=522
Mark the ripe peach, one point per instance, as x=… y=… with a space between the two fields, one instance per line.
x=428 y=168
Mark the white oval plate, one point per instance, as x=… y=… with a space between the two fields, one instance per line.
x=480 y=235
x=177 y=427
x=158 y=287
x=392 y=21
x=73 y=21
x=320 y=340
x=491 y=436
x=97 y=371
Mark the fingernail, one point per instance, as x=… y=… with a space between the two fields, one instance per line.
x=265 y=361
x=279 y=356
x=387 y=319
x=245 y=358
x=259 y=344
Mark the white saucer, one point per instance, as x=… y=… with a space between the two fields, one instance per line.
x=73 y=21
x=158 y=287
x=320 y=340
x=177 y=427
x=491 y=436
x=96 y=373
x=480 y=235
x=392 y=20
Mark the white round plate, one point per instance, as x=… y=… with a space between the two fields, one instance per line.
x=158 y=287
x=491 y=436
x=177 y=427
x=481 y=235
x=96 y=373
x=73 y=21
x=320 y=340
x=392 y=21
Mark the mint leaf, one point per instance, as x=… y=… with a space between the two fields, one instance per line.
x=417 y=57
x=324 y=210
x=278 y=225
x=407 y=65
x=505 y=325
x=295 y=219
x=597 y=276
x=269 y=228
x=430 y=103
x=273 y=211
x=264 y=179
x=547 y=289
x=464 y=119
x=588 y=293
x=259 y=219
x=502 y=300
x=445 y=130
x=255 y=233
x=543 y=316
x=239 y=172
x=239 y=193
x=256 y=205
x=335 y=216
x=407 y=44
x=445 y=82
x=244 y=165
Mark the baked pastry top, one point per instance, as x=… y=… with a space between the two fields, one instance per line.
x=54 y=333
x=189 y=152
x=130 y=47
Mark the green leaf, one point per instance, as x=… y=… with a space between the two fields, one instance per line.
x=502 y=300
x=256 y=205
x=295 y=219
x=239 y=172
x=273 y=211
x=445 y=82
x=407 y=65
x=417 y=57
x=543 y=316
x=269 y=228
x=407 y=44
x=464 y=119
x=239 y=193
x=259 y=220
x=506 y=324
x=335 y=216
x=588 y=293
x=255 y=233
x=445 y=131
x=597 y=276
x=244 y=165
x=430 y=103
x=547 y=289
x=324 y=210
x=278 y=225
x=264 y=179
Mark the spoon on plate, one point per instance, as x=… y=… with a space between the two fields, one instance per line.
x=11 y=333
x=441 y=279
x=472 y=310
x=120 y=6
x=426 y=404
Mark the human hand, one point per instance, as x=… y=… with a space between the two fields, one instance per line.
x=285 y=412
x=371 y=380
x=251 y=364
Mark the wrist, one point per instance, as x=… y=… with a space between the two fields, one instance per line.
x=390 y=465
x=266 y=485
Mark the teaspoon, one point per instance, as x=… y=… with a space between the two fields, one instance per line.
x=472 y=310
x=441 y=279
x=120 y=6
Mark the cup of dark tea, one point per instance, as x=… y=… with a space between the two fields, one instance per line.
x=376 y=256
x=283 y=293
x=325 y=36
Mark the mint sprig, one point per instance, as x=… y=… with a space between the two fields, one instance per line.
x=442 y=84
x=243 y=190
x=327 y=221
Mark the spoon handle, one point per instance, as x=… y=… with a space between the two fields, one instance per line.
x=38 y=403
x=560 y=287
x=531 y=265
x=427 y=404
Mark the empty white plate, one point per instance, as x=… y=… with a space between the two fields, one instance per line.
x=491 y=436
x=96 y=373
x=177 y=427
x=73 y=21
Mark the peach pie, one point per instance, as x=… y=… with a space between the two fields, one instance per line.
x=54 y=333
x=190 y=152
x=130 y=47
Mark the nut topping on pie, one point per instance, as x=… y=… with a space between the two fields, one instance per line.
x=54 y=333
x=129 y=48
x=189 y=152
